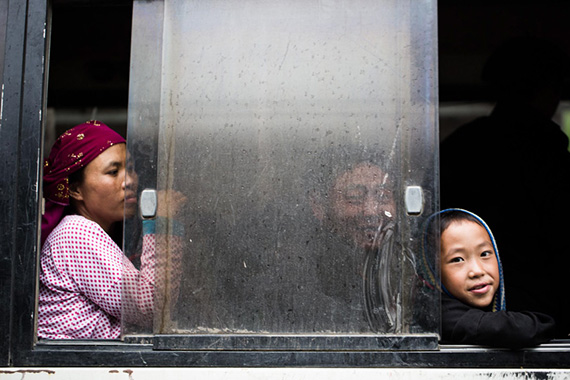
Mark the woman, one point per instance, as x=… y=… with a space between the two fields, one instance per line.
x=87 y=285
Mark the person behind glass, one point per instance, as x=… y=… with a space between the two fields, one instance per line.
x=473 y=291
x=87 y=285
x=357 y=263
x=359 y=202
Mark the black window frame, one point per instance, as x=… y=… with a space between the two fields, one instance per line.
x=21 y=136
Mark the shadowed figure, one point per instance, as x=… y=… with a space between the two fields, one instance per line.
x=513 y=166
x=359 y=268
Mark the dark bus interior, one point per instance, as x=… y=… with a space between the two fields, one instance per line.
x=90 y=52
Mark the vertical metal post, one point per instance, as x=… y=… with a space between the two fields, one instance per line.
x=23 y=104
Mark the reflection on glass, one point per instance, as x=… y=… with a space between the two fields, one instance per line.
x=289 y=127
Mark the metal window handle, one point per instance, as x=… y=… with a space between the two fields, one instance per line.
x=414 y=199
x=148 y=203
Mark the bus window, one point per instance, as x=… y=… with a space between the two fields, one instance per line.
x=293 y=129
x=239 y=341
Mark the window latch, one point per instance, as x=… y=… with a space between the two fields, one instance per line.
x=148 y=203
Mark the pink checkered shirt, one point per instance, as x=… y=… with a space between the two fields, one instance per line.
x=81 y=295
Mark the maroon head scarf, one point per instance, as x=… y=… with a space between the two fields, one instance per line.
x=72 y=151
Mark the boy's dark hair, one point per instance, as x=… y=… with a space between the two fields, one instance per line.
x=437 y=224
x=449 y=217
x=445 y=219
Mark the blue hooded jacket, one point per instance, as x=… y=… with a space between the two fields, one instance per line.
x=466 y=324
x=431 y=241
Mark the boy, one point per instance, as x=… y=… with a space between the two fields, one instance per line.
x=473 y=301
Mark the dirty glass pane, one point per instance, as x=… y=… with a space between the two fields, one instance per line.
x=291 y=129
x=3 y=20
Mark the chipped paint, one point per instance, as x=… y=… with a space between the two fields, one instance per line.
x=280 y=373
x=25 y=371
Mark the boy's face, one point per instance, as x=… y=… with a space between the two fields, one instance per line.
x=469 y=268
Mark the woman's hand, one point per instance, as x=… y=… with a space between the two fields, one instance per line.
x=170 y=202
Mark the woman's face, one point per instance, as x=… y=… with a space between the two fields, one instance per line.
x=108 y=190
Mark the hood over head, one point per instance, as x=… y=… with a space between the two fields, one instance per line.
x=430 y=269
